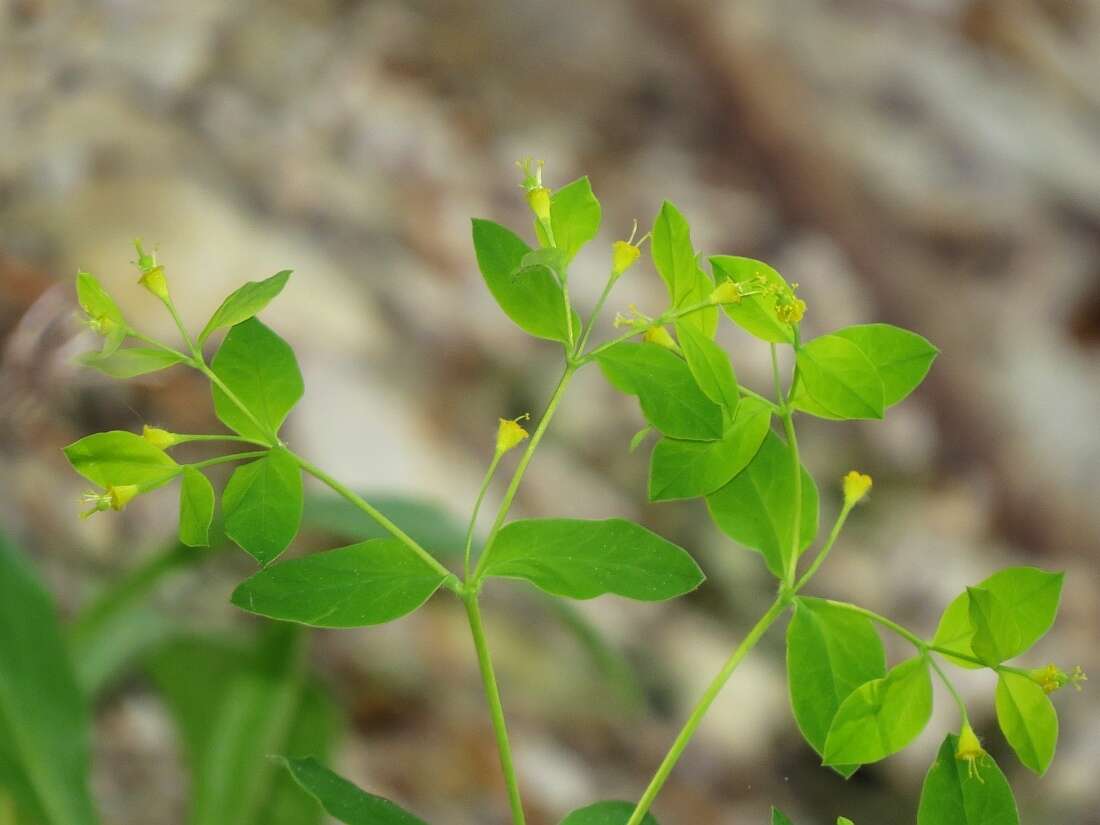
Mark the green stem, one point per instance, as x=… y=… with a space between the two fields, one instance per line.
x=701 y=708
x=775 y=408
x=196 y=353
x=187 y=359
x=796 y=461
x=186 y=438
x=221 y=385
x=951 y=689
x=477 y=509
x=450 y=582
x=590 y=324
x=660 y=320
x=521 y=468
x=225 y=459
x=910 y=637
x=496 y=708
x=838 y=525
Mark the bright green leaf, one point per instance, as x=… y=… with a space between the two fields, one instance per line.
x=952 y=797
x=996 y=634
x=710 y=366
x=843 y=820
x=882 y=716
x=120 y=458
x=1028 y=720
x=101 y=310
x=575 y=216
x=686 y=469
x=1029 y=594
x=533 y=300
x=606 y=813
x=901 y=357
x=344 y=800
x=674 y=257
x=756 y=508
x=670 y=398
x=196 y=508
x=429 y=523
x=131 y=361
x=830 y=652
x=260 y=370
x=584 y=559
x=839 y=378
x=245 y=303
x=43 y=715
x=368 y=583
x=755 y=313
x=262 y=504
x=549 y=258
x=780 y=818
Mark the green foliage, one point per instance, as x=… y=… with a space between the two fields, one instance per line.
x=756 y=508
x=675 y=260
x=574 y=216
x=953 y=795
x=901 y=357
x=1028 y=720
x=132 y=361
x=343 y=800
x=605 y=813
x=882 y=716
x=43 y=717
x=779 y=818
x=244 y=303
x=118 y=458
x=258 y=369
x=263 y=505
x=196 y=508
x=756 y=312
x=840 y=379
x=103 y=314
x=710 y=366
x=830 y=653
x=368 y=583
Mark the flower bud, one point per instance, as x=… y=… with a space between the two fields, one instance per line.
x=661 y=337
x=970 y=750
x=726 y=292
x=161 y=439
x=510 y=434
x=623 y=256
x=856 y=486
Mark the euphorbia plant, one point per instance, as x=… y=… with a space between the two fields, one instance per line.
x=715 y=439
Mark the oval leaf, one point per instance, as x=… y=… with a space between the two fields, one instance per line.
x=196 y=508
x=882 y=716
x=132 y=361
x=606 y=813
x=368 y=583
x=951 y=796
x=756 y=508
x=840 y=379
x=575 y=215
x=710 y=366
x=262 y=504
x=344 y=800
x=119 y=458
x=901 y=357
x=1028 y=720
x=245 y=303
x=100 y=306
x=584 y=559
x=674 y=258
x=996 y=634
x=830 y=652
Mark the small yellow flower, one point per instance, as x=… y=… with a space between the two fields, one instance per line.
x=661 y=337
x=856 y=486
x=161 y=439
x=115 y=498
x=100 y=325
x=970 y=750
x=726 y=292
x=152 y=275
x=539 y=201
x=510 y=434
x=623 y=256
x=1052 y=678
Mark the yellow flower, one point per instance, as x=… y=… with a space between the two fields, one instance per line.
x=856 y=486
x=161 y=439
x=510 y=434
x=623 y=256
x=726 y=292
x=661 y=337
x=115 y=498
x=152 y=275
x=539 y=201
x=970 y=750
x=1052 y=678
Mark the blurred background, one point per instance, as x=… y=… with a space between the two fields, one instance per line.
x=930 y=163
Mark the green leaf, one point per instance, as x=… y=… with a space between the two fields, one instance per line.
x=606 y=813
x=131 y=361
x=686 y=469
x=575 y=215
x=1029 y=594
x=710 y=366
x=234 y=707
x=368 y=583
x=262 y=504
x=1028 y=720
x=43 y=715
x=101 y=307
x=830 y=652
x=843 y=820
x=755 y=313
x=550 y=258
x=756 y=508
x=245 y=303
x=840 y=379
x=674 y=257
x=996 y=634
x=344 y=800
x=951 y=797
x=780 y=818
x=260 y=369
x=584 y=559
x=429 y=523
x=532 y=300
x=119 y=458
x=670 y=398
x=196 y=508
x=901 y=357
x=882 y=716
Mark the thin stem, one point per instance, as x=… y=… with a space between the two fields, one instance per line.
x=701 y=708
x=660 y=320
x=775 y=408
x=910 y=637
x=225 y=459
x=450 y=582
x=838 y=525
x=477 y=508
x=586 y=331
x=521 y=468
x=186 y=438
x=155 y=343
x=951 y=689
x=195 y=352
x=796 y=462
x=972 y=659
x=496 y=708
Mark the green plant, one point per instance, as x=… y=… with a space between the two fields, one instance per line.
x=716 y=441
